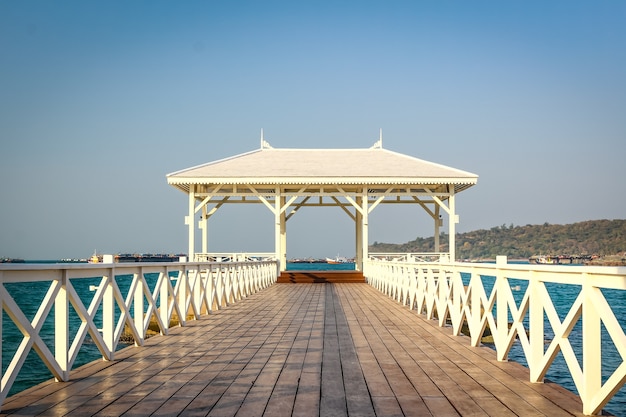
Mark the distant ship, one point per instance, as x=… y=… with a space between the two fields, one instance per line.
x=546 y=260
x=337 y=260
x=559 y=259
x=11 y=261
x=95 y=258
x=148 y=257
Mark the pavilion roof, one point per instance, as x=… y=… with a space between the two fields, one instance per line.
x=369 y=166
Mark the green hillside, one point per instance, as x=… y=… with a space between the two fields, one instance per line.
x=594 y=237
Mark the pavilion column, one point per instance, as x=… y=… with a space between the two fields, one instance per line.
x=280 y=230
x=190 y=221
x=283 y=235
x=204 y=225
x=437 y=226
x=364 y=228
x=453 y=220
x=358 y=222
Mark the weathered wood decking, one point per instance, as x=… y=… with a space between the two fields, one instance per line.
x=306 y=350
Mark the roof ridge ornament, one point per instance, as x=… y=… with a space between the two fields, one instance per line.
x=379 y=143
x=264 y=144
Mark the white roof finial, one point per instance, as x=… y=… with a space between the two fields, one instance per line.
x=264 y=144
x=379 y=144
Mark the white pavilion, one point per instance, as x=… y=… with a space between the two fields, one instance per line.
x=355 y=180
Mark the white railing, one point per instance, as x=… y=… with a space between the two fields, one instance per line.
x=410 y=257
x=456 y=293
x=179 y=290
x=234 y=257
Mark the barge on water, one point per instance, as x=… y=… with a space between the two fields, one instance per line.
x=11 y=261
x=559 y=259
x=148 y=257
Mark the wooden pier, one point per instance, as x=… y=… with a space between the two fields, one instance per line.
x=332 y=349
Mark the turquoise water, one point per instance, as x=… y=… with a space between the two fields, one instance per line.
x=29 y=296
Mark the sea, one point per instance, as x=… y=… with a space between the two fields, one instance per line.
x=29 y=296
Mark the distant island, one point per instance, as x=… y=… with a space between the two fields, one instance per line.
x=603 y=241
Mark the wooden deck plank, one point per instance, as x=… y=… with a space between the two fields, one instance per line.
x=301 y=350
x=442 y=363
x=358 y=401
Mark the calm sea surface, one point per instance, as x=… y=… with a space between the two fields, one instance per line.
x=29 y=296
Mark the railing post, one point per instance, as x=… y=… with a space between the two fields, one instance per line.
x=61 y=328
x=535 y=328
x=183 y=283
x=138 y=317
x=502 y=323
x=443 y=292
x=219 y=285
x=196 y=294
x=457 y=307
x=108 y=315
x=592 y=354
x=164 y=301
x=210 y=289
x=474 y=318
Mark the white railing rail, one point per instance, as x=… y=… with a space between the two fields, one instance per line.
x=410 y=257
x=437 y=290
x=234 y=257
x=183 y=291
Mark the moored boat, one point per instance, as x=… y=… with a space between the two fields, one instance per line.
x=11 y=261
x=336 y=261
x=95 y=258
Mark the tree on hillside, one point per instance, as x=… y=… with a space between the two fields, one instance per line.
x=595 y=237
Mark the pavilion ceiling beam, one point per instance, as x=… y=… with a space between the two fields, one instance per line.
x=297 y=207
x=291 y=200
x=264 y=200
x=351 y=200
x=323 y=204
x=312 y=191
x=343 y=207
x=375 y=203
x=441 y=203
x=388 y=201
x=426 y=208
x=379 y=200
x=207 y=199
x=214 y=209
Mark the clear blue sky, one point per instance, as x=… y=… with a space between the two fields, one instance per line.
x=100 y=100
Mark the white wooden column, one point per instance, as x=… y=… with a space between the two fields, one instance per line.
x=437 y=226
x=280 y=230
x=364 y=227
x=283 y=235
x=204 y=225
x=190 y=222
x=358 y=223
x=453 y=220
